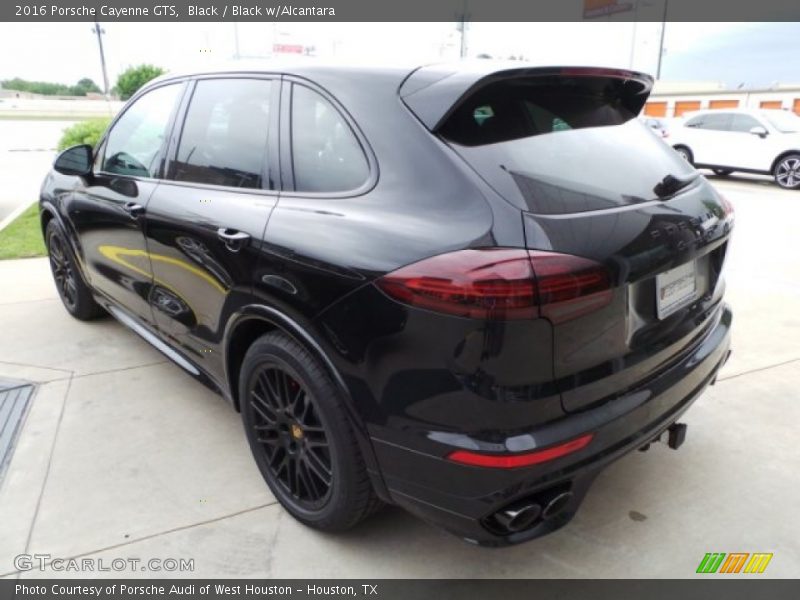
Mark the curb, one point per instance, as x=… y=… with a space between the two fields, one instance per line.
x=14 y=214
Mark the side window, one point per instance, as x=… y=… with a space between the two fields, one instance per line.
x=717 y=121
x=696 y=122
x=744 y=123
x=326 y=154
x=224 y=136
x=133 y=146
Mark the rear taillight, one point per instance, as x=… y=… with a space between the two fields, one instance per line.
x=481 y=284
x=513 y=461
x=502 y=284
x=726 y=205
x=569 y=286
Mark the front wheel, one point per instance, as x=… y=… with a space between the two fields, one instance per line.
x=684 y=153
x=72 y=289
x=301 y=439
x=787 y=172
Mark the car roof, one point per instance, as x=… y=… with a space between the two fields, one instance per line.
x=429 y=90
x=743 y=111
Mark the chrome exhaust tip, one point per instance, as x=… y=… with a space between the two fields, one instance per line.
x=519 y=517
x=557 y=505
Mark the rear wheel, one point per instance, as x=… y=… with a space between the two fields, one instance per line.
x=75 y=295
x=299 y=434
x=685 y=153
x=722 y=172
x=787 y=172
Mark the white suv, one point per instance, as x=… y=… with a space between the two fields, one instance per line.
x=751 y=141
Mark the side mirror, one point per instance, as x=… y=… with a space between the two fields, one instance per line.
x=75 y=161
x=759 y=131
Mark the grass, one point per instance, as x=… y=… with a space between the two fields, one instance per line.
x=23 y=236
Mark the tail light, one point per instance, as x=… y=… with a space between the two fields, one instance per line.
x=513 y=461
x=502 y=284
x=726 y=205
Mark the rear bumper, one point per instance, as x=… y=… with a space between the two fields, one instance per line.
x=462 y=498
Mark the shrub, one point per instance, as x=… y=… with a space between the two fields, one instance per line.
x=85 y=132
x=133 y=78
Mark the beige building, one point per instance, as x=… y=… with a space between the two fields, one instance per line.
x=673 y=99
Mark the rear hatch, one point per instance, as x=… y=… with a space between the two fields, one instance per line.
x=562 y=144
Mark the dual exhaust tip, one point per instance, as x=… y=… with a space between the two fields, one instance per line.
x=525 y=514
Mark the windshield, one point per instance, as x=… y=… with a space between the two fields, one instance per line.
x=783 y=121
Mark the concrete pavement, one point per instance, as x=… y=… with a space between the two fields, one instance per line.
x=27 y=150
x=123 y=455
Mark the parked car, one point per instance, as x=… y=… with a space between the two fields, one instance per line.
x=460 y=289
x=659 y=126
x=750 y=141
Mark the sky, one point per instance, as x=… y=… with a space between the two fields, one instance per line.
x=748 y=54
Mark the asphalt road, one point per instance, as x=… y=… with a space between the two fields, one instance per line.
x=123 y=455
x=27 y=149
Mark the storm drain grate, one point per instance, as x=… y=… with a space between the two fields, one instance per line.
x=14 y=400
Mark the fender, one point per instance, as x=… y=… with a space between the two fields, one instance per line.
x=301 y=334
x=47 y=206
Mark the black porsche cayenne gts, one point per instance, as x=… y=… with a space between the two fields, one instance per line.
x=461 y=289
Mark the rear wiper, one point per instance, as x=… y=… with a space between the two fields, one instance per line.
x=671 y=185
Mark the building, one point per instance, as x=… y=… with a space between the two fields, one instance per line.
x=673 y=99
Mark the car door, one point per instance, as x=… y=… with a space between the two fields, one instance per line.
x=106 y=212
x=749 y=150
x=205 y=222
x=709 y=135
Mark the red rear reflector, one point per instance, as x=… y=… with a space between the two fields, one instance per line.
x=502 y=284
x=512 y=461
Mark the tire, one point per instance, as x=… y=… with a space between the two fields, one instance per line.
x=75 y=294
x=787 y=172
x=722 y=172
x=300 y=436
x=685 y=153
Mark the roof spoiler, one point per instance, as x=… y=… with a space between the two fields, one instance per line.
x=432 y=93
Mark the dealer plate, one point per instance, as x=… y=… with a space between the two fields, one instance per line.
x=675 y=289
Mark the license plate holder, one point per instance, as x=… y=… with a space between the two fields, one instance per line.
x=676 y=289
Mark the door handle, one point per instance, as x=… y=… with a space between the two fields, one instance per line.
x=234 y=240
x=133 y=209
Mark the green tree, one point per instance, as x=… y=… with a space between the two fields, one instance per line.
x=85 y=86
x=51 y=89
x=84 y=132
x=133 y=78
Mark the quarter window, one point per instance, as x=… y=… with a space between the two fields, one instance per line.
x=134 y=144
x=326 y=154
x=224 y=137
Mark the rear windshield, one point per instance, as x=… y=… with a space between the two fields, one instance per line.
x=520 y=108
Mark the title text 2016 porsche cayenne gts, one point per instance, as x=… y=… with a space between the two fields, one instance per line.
x=462 y=289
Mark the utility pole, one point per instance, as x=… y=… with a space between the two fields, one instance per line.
x=461 y=27
x=661 y=43
x=100 y=31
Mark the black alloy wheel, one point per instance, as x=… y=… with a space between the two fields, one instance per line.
x=300 y=435
x=291 y=435
x=63 y=274
x=75 y=294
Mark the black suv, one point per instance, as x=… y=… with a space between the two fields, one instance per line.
x=462 y=289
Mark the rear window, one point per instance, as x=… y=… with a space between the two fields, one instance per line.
x=520 y=108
